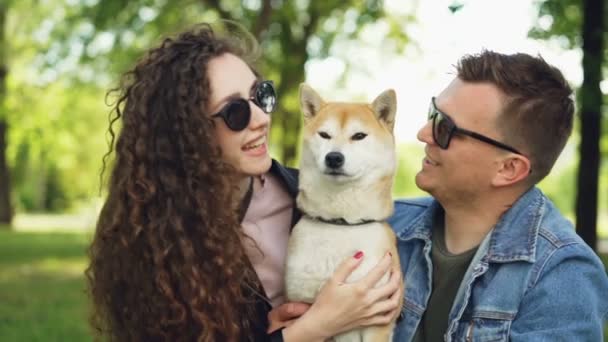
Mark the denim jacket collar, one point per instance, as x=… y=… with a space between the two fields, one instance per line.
x=513 y=238
x=421 y=226
x=515 y=235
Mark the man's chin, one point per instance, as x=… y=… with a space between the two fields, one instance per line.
x=422 y=183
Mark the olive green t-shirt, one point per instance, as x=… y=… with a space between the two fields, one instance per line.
x=448 y=271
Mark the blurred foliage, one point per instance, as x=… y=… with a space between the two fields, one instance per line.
x=63 y=56
x=559 y=18
x=55 y=147
x=409 y=162
x=57 y=121
x=561 y=21
x=290 y=33
x=560 y=188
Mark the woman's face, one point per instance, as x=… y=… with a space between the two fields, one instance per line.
x=247 y=150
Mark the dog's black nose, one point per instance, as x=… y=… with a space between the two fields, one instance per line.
x=334 y=160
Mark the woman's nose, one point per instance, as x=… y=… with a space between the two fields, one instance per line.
x=258 y=117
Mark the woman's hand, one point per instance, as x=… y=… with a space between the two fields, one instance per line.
x=285 y=315
x=342 y=306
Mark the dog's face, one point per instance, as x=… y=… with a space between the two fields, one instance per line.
x=345 y=142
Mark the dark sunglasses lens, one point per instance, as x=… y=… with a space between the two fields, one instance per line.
x=431 y=112
x=237 y=115
x=441 y=130
x=265 y=97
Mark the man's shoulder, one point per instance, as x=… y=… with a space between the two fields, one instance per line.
x=407 y=210
x=556 y=229
x=406 y=207
x=558 y=240
x=416 y=202
x=533 y=223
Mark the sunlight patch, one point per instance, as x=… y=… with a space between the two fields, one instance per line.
x=70 y=268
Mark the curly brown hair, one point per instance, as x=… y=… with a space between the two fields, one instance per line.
x=166 y=261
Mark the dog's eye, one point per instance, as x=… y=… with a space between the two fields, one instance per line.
x=358 y=136
x=324 y=135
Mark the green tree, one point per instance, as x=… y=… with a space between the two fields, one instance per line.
x=64 y=55
x=290 y=33
x=582 y=25
x=53 y=106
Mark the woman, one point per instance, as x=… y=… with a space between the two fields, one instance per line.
x=191 y=241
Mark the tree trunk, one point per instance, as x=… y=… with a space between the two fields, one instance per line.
x=293 y=74
x=289 y=120
x=590 y=98
x=6 y=212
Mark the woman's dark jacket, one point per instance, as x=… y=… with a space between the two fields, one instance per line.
x=289 y=178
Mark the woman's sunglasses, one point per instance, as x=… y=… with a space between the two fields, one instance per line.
x=237 y=112
x=444 y=129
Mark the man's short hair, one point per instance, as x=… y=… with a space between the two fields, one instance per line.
x=538 y=109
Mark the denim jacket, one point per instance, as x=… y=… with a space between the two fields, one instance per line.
x=532 y=278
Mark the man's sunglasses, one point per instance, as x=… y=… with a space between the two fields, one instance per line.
x=237 y=112
x=444 y=129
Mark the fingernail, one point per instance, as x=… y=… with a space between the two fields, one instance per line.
x=359 y=255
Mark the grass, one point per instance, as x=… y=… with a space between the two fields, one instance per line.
x=42 y=287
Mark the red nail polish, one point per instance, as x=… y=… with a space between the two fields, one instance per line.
x=358 y=255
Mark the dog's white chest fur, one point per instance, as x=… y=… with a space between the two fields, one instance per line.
x=316 y=249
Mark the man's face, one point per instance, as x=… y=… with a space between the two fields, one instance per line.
x=465 y=169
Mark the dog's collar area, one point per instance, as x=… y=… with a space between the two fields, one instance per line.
x=340 y=221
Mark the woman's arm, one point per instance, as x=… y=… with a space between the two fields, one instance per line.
x=342 y=306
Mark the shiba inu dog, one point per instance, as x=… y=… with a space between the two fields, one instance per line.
x=347 y=168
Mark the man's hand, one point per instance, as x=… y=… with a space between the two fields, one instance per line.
x=285 y=314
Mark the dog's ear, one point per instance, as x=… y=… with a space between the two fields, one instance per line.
x=310 y=101
x=385 y=107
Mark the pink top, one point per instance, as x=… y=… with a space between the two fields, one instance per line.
x=267 y=221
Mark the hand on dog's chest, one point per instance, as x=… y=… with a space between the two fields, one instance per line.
x=316 y=249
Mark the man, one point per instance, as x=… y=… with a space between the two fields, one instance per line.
x=489 y=257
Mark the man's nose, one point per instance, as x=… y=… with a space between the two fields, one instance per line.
x=425 y=134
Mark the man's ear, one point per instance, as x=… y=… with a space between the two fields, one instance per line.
x=512 y=170
x=310 y=102
x=385 y=107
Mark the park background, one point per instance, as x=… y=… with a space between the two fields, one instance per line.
x=58 y=58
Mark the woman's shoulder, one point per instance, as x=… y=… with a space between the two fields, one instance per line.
x=287 y=175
